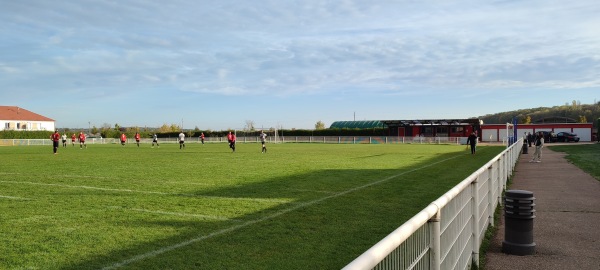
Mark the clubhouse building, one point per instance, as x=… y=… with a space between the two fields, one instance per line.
x=464 y=127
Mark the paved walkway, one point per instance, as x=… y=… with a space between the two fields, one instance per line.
x=566 y=229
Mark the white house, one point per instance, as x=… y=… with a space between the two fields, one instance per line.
x=15 y=118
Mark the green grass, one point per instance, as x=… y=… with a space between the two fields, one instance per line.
x=584 y=156
x=300 y=206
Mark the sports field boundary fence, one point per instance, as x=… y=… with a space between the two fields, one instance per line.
x=256 y=139
x=447 y=234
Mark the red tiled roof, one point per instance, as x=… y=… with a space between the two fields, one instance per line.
x=20 y=114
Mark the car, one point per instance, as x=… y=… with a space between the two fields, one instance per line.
x=549 y=137
x=566 y=137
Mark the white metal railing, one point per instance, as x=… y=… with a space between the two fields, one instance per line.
x=253 y=139
x=24 y=142
x=446 y=234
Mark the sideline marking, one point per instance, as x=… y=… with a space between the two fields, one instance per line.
x=58 y=176
x=274 y=215
x=150 y=192
x=14 y=198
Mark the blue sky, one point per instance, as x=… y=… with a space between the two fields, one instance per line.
x=288 y=64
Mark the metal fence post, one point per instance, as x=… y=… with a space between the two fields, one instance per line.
x=435 y=242
x=475 y=217
x=491 y=185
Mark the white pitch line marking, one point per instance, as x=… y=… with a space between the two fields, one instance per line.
x=59 y=176
x=14 y=198
x=312 y=191
x=181 y=214
x=150 y=192
x=274 y=215
x=184 y=183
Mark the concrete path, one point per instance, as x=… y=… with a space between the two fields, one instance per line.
x=567 y=223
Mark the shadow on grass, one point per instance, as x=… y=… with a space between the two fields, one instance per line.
x=334 y=216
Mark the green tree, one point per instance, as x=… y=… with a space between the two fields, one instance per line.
x=164 y=128
x=175 y=128
x=526 y=120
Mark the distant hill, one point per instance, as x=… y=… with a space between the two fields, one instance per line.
x=580 y=113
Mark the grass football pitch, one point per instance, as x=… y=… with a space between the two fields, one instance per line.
x=584 y=156
x=299 y=206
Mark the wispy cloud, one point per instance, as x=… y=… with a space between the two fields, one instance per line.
x=292 y=48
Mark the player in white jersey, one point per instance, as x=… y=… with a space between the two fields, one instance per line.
x=155 y=140
x=181 y=140
x=263 y=139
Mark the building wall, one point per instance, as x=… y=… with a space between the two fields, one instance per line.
x=583 y=133
x=26 y=125
x=497 y=132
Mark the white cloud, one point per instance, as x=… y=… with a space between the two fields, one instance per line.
x=286 y=49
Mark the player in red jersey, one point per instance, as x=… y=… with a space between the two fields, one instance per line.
x=73 y=137
x=202 y=137
x=232 y=143
x=82 y=140
x=137 y=139
x=123 y=139
x=55 y=137
x=229 y=138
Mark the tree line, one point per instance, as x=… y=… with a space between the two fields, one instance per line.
x=581 y=113
x=115 y=132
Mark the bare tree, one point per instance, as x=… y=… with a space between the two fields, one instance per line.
x=320 y=125
x=249 y=125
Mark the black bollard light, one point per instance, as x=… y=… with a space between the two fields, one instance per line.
x=518 y=221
